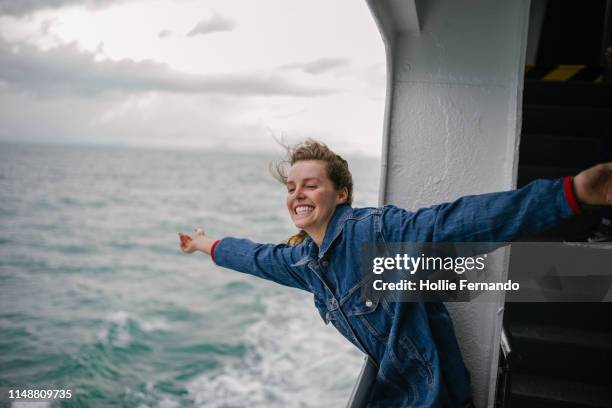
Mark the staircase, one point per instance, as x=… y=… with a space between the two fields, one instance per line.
x=562 y=352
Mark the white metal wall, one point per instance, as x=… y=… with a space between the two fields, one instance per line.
x=452 y=126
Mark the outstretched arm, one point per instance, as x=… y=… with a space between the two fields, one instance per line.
x=504 y=216
x=267 y=261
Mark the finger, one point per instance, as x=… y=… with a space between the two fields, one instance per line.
x=185 y=240
x=199 y=231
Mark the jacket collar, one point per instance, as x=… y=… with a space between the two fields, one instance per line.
x=335 y=227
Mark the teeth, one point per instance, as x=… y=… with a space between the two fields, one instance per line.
x=303 y=209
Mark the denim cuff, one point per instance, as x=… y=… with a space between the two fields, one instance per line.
x=212 y=250
x=570 y=194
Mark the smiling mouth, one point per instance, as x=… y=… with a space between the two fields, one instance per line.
x=303 y=209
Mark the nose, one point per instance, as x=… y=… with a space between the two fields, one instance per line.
x=299 y=192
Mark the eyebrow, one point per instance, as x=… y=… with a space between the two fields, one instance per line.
x=305 y=180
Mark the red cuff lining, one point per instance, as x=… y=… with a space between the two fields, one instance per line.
x=212 y=250
x=570 y=196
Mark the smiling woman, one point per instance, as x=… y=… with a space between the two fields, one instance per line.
x=317 y=182
x=412 y=345
x=312 y=198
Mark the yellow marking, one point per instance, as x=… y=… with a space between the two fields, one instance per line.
x=563 y=72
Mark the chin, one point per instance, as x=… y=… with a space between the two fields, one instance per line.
x=301 y=222
x=300 y=225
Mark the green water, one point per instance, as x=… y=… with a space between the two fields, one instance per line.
x=96 y=297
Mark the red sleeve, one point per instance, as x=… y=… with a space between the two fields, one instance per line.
x=570 y=195
x=212 y=250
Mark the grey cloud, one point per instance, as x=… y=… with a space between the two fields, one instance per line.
x=66 y=70
x=213 y=24
x=319 y=66
x=45 y=26
x=169 y=119
x=20 y=8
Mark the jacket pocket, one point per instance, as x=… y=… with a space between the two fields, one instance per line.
x=369 y=310
x=407 y=359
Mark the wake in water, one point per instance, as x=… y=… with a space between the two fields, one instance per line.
x=292 y=360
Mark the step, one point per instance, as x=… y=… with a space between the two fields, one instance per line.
x=562 y=392
x=572 y=337
x=562 y=352
x=591 y=317
x=564 y=151
x=596 y=95
x=563 y=120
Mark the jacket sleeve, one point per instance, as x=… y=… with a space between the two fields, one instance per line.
x=267 y=261
x=493 y=217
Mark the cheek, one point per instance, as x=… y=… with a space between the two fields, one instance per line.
x=327 y=202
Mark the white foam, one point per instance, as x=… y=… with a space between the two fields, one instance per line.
x=30 y=404
x=154 y=325
x=116 y=331
x=121 y=317
x=292 y=360
x=168 y=403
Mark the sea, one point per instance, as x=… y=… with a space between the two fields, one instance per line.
x=97 y=298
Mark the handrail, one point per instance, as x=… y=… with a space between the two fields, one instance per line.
x=361 y=390
x=507 y=359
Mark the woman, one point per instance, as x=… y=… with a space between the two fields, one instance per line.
x=413 y=344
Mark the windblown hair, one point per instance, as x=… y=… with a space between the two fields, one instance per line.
x=337 y=171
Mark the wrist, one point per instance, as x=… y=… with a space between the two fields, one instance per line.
x=571 y=196
x=206 y=244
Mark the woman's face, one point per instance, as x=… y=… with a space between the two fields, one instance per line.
x=312 y=197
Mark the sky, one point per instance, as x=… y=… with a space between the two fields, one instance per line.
x=230 y=74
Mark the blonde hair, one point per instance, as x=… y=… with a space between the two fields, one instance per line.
x=337 y=171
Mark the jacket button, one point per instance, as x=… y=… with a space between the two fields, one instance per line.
x=368 y=303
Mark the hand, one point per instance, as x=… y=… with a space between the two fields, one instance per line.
x=594 y=186
x=189 y=244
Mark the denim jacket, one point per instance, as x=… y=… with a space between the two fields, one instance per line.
x=413 y=344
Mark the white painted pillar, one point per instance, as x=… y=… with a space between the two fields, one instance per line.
x=452 y=126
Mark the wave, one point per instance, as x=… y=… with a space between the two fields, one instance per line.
x=292 y=360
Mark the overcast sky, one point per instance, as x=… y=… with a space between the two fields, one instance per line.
x=182 y=73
